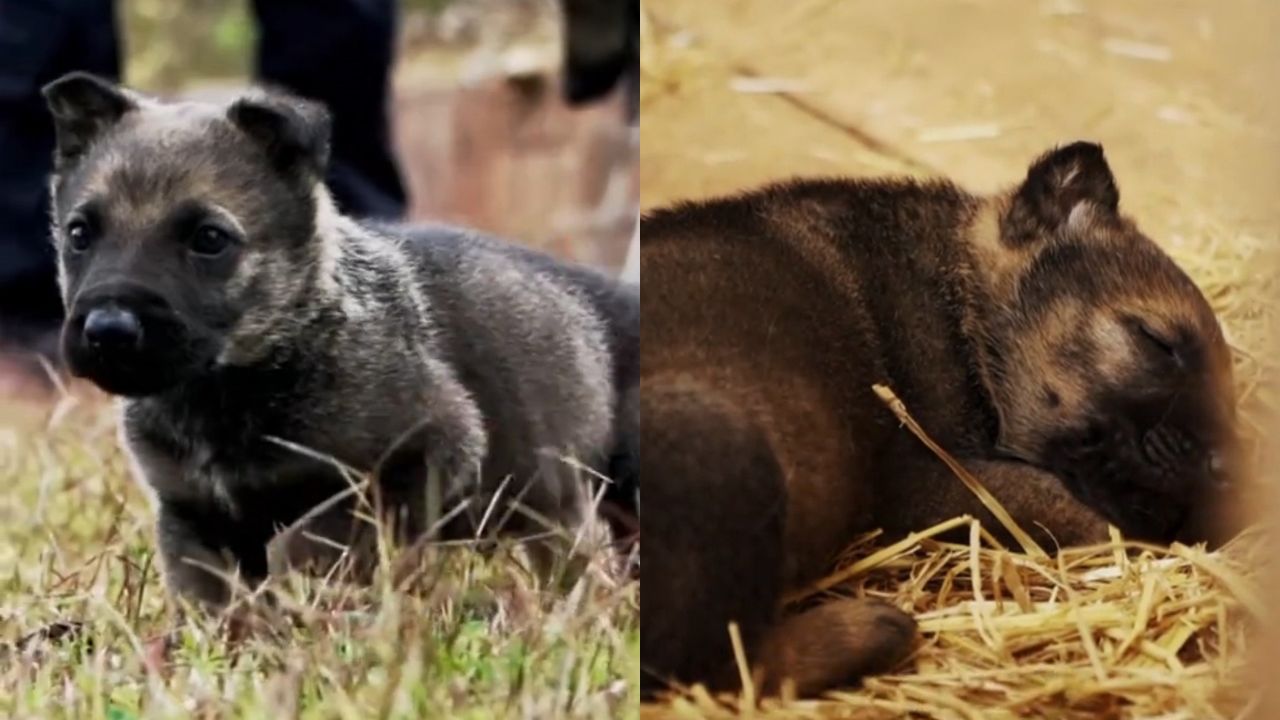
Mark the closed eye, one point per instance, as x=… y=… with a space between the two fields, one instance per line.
x=1158 y=342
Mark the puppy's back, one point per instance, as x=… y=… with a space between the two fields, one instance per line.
x=533 y=351
x=616 y=303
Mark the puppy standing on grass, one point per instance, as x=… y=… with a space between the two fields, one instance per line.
x=210 y=283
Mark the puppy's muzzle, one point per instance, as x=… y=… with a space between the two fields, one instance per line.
x=120 y=336
x=114 y=318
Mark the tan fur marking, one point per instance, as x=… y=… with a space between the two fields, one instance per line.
x=1080 y=219
x=1002 y=264
x=1113 y=343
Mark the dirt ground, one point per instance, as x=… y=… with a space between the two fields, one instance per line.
x=1179 y=92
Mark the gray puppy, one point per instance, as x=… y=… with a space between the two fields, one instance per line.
x=210 y=282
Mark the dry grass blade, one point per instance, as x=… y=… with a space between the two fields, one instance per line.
x=744 y=669
x=899 y=408
x=878 y=558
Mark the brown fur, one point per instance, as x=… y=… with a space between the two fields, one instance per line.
x=1037 y=335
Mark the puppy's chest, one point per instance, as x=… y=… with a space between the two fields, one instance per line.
x=232 y=467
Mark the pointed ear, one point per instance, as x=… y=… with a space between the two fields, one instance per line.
x=83 y=106
x=1060 y=180
x=293 y=132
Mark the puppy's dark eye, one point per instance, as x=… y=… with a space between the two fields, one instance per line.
x=79 y=237
x=210 y=241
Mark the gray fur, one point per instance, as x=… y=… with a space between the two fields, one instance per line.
x=479 y=358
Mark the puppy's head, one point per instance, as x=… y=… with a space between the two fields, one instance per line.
x=185 y=231
x=1107 y=364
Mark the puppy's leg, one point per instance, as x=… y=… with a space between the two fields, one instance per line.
x=923 y=492
x=193 y=569
x=833 y=644
x=561 y=514
x=420 y=479
x=713 y=549
x=620 y=506
x=431 y=464
x=332 y=534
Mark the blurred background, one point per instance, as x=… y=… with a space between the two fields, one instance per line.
x=482 y=132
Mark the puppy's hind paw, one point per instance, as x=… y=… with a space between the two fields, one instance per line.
x=834 y=644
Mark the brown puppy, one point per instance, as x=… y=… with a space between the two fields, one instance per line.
x=1038 y=335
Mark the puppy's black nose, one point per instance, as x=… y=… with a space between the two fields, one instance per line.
x=112 y=328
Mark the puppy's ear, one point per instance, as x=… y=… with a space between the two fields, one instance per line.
x=1058 y=182
x=83 y=106
x=294 y=133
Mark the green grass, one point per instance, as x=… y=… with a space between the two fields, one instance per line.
x=472 y=638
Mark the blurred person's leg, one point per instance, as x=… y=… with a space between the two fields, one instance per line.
x=602 y=51
x=39 y=41
x=340 y=53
